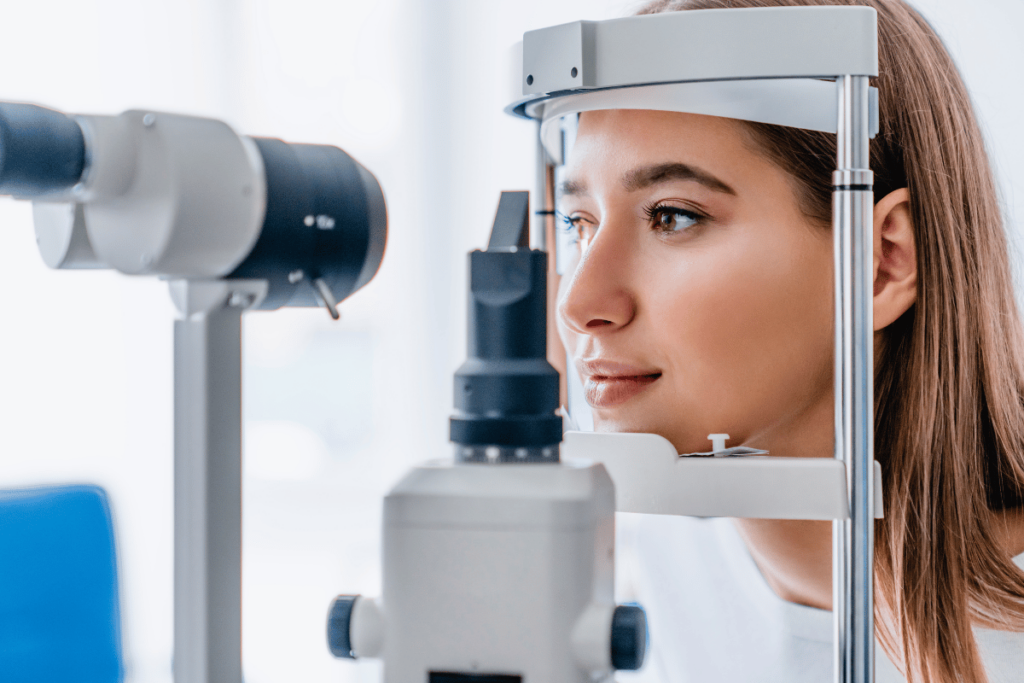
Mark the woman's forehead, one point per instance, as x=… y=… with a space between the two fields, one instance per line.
x=617 y=140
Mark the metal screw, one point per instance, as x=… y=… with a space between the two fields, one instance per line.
x=241 y=300
x=574 y=72
x=323 y=293
x=295 y=276
x=529 y=80
x=148 y=120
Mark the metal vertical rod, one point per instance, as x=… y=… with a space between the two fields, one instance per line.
x=208 y=490
x=539 y=203
x=853 y=539
x=544 y=236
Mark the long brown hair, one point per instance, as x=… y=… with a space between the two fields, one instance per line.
x=949 y=389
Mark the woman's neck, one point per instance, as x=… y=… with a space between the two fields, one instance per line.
x=795 y=556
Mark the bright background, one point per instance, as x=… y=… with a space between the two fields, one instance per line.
x=334 y=412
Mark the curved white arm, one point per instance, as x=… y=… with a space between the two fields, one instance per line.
x=650 y=477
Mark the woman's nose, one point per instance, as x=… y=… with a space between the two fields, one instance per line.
x=598 y=298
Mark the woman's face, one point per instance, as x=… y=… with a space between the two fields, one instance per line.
x=700 y=299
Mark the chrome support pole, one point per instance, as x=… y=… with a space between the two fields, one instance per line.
x=539 y=200
x=208 y=478
x=853 y=539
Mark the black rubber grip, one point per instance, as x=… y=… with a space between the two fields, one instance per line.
x=629 y=637
x=339 y=621
x=41 y=150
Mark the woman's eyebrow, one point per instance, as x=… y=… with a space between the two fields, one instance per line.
x=645 y=176
x=572 y=188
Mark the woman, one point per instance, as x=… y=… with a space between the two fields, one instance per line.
x=701 y=301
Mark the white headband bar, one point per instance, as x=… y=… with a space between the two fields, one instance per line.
x=701 y=45
x=795 y=102
x=760 y=64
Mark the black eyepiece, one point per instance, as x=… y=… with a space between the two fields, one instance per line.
x=41 y=150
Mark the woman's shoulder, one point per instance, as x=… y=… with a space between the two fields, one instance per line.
x=1002 y=652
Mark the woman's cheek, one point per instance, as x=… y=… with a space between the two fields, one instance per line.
x=735 y=309
x=567 y=336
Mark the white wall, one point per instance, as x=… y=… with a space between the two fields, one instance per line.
x=335 y=412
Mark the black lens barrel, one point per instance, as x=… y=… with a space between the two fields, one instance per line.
x=325 y=218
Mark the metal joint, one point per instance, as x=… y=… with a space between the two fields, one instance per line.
x=853 y=176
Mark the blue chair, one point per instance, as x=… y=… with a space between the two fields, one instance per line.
x=59 y=612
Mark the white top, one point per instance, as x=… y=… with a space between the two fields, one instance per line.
x=713 y=618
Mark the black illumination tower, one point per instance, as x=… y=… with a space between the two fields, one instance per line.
x=506 y=393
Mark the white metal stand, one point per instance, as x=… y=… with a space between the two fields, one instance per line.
x=208 y=478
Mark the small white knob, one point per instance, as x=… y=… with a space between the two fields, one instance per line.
x=369 y=624
x=591 y=639
x=717 y=442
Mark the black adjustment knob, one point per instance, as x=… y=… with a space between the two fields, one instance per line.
x=339 y=618
x=629 y=637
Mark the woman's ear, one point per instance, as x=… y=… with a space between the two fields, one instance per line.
x=895 y=258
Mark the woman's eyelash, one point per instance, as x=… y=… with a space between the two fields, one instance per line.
x=569 y=226
x=570 y=222
x=655 y=209
x=656 y=213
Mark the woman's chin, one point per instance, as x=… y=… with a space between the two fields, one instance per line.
x=683 y=443
x=622 y=421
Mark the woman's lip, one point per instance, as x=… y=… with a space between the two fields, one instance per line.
x=604 y=391
x=609 y=369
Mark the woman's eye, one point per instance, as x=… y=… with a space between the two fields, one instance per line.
x=580 y=229
x=672 y=219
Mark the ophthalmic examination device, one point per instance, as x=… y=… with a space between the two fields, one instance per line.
x=498 y=563
x=233 y=223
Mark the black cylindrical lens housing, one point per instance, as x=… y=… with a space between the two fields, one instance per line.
x=506 y=393
x=41 y=151
x=325 y=218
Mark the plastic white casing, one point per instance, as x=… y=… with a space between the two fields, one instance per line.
x=61 y=236
x=701 y=45
x=163 y=194
x=756 y=64
x=495 y=569
x=651 y=477
x=795 y=102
